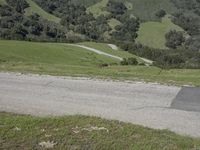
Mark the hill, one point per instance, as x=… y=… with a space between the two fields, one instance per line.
x=64 y=59
x=50 y=53
x=143 y=9
x=99 y=8
x=152 y=34
x=146 y=9
x=34 y=8
x=2 y=2
x=106 y=48
x=124 y=23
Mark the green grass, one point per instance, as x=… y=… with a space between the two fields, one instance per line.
x=113 y=23
x=2 y=2
x=49 y=53
x=70 y=132
x=34 y=8
x=98 y=8
x=65 y=60
x=152 y=34
x=146 y=9
x=86 y=3
x=129 y=5
x=105 y=48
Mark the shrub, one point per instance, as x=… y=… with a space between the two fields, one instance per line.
x=174 y=39
x=161 y=13
x=129 y=61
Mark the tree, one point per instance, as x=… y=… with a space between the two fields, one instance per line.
x=129 y=61
x=19 y=31
x=160 y=13
x=19 y=5
x=174 y=39
x=116 y=8
x=127 y=31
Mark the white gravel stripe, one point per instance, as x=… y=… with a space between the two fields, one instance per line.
x=97 y=51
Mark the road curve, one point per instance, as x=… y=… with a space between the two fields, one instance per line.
x=97 y=51
x=138 y=103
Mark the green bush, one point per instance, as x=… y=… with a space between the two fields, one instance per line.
x=129 y=61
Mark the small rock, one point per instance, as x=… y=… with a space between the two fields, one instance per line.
x=47 y=144
x=43 y=130
x=48 y=135
x=92 y=128
x=17 y=129
x=76 y=130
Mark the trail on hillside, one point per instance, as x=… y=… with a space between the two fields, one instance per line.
x=107 y=54
x=97 y=51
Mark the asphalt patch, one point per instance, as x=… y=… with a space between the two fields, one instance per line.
x=187 y=99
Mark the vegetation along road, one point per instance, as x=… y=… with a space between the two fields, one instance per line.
x=138 y=103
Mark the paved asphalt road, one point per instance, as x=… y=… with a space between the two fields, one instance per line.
x=139 y=103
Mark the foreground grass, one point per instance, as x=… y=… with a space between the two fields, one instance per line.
x=34 y=8
x=65 y=60
x=152 y=34
x=79 y=132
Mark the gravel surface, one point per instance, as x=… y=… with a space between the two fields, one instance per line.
x=97 y=51
x=135 y=102
x=114 y=47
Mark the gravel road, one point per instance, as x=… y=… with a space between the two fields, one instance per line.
x=139 y=103
x=97 y=51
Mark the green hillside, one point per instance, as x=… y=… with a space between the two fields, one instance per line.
x=105 y=48
x=63 y=59
x=143 y=9
x=113 y=23
x=98 y=8
x=86 y=3
x=146 y=9
x=34 y=8
x=49 y=54
x=152 y=34
x=2 y=2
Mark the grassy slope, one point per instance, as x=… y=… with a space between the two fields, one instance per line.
x=68 y=132
x=34 y=8
x=152 y=34
x=49 y=54
x=60 y=59
x=98 y=8
x=145 y=9
x=105 y=48
x=2 y=2
x=86 y=3
x=113 y=23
